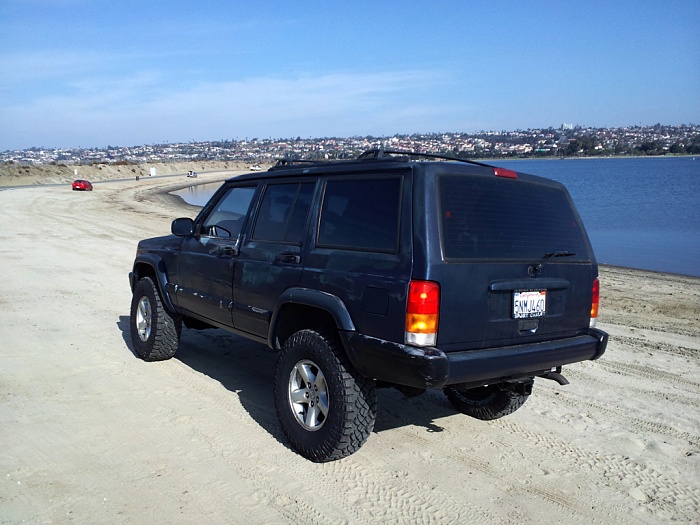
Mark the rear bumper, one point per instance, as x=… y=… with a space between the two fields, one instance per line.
x=432 y=368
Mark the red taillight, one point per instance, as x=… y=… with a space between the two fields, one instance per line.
x=422 y=312
x=502 y=172
x=595 y=302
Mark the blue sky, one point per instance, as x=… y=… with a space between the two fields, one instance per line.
x=94 y=73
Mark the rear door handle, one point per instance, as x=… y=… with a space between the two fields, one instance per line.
x=288 y=258
x=226 y=251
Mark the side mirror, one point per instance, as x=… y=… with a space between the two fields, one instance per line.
x=182 y=227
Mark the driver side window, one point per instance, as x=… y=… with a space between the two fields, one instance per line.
x=228 y=216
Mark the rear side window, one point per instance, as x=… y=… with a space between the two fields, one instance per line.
x=283 y=212
x=504 y=219
x=361 y=214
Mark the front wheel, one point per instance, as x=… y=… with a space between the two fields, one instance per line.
x=489 y=402
x=326 y=409
x=155 y=332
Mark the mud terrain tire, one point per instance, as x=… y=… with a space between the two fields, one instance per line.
x=155 y=332
x=326 y=409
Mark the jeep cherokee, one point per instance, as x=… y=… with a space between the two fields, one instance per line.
x=387 y=270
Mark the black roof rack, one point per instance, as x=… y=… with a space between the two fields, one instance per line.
x=379 y=153
x=375 y=154
x=287 y=161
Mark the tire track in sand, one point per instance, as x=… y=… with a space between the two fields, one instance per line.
x=361 y=494
x=655 y=490
x=511 y=474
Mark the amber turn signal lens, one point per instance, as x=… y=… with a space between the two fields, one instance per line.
x=421 y=323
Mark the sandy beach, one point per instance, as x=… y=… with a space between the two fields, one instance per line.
x=91 y=434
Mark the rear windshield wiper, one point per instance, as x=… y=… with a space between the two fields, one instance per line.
x=536 y=268
x=563 y=253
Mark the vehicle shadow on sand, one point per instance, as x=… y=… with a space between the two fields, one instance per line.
x=247 y=369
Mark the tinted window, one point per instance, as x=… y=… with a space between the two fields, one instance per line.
x=361 y=214
x=506 y=219
x=228 y=216
x=283 y=212
x=295 y=228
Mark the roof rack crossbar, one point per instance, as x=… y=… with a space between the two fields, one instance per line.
x=286 y=161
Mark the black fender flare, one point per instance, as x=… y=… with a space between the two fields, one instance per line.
x=155 y=262
x=315 y=298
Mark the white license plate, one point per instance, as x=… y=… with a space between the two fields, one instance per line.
x=529 y=304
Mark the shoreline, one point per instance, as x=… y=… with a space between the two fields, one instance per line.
x=659 y=272
x=12 y=173
x=208 y=174
x=221 y=175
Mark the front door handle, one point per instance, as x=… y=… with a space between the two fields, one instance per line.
x=288 y=258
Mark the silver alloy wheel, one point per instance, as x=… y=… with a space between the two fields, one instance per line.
x=308 y=395
x=143 y=318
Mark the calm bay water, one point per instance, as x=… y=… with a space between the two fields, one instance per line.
x=639 y=212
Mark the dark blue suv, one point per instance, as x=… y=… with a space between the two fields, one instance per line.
x=388 y=270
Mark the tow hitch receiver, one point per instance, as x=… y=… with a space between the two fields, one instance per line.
x=523 y=388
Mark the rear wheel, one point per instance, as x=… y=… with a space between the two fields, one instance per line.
x=155 y=332
x=326 y=409
x=491 y=401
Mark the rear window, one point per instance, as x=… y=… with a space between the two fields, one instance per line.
x=361 y=214
x=504 y=219
x=283 y=212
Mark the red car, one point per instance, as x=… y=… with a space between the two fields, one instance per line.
x=82 y=185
